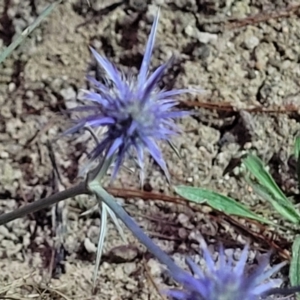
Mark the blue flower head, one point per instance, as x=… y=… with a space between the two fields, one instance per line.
x=225 y=280
x=134 y=110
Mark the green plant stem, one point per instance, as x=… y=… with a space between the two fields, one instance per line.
x=95 y=188
x=110 y=201
x=79 y=189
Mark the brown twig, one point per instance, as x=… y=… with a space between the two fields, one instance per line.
x=152 y=281
x=129 y=193
x=284 y=253
x=263 y=17
x=228 y=107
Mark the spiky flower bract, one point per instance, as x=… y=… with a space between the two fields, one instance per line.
x=135 y=112
x=225 y=280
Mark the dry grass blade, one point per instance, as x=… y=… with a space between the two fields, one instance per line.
x=59 y=218
x=16 y=289
x=7 y=51
x=102 y=234
x=103 y=230
x=13 y=285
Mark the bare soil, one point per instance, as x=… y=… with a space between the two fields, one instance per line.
x=249 y=64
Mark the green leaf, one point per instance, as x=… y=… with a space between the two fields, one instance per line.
x=269 y=190
x=7 y=51
x=294 y=273
x=297 y=147
x=297 y=156
x=219 y=202
x=283 y=211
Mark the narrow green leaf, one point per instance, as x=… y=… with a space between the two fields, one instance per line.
x=297 y=147
x=7 y=51
x=256 y=167
x=294 y=273
x=219 y=202
x=285 y=212
x=267 y=186
x=297 y=156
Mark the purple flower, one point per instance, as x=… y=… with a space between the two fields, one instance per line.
x=135 y=112
x=225 y=280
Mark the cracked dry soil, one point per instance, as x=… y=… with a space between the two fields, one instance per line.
x=252 y=65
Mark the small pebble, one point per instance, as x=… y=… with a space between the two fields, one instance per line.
x=89 y=246
x=251 y=42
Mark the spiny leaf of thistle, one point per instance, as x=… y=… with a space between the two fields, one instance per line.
x=135 y=112
x=225 y=280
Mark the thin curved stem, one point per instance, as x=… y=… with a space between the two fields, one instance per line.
x=94 y=187
x=79 y=189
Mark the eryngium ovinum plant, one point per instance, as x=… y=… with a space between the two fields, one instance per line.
x=226 y=280
x=136 y=115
